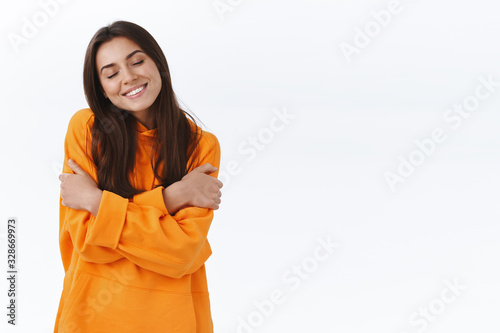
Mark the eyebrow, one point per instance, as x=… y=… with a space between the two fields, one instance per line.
x=126 y=58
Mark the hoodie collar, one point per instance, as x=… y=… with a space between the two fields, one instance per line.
x=142 y=130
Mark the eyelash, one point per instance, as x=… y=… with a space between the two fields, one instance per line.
x=137 y=63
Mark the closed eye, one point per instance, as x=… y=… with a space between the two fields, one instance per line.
x=137 y=63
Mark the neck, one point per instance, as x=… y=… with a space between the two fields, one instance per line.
x=145 y=119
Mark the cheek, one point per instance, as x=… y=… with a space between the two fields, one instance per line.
x=158 y=79
x=154 y=73
x=110 y=88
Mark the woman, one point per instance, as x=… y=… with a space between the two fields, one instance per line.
x=138 y=190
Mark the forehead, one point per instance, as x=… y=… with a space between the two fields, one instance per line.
x=115 y=50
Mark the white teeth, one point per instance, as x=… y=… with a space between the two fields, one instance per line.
x=136 y=91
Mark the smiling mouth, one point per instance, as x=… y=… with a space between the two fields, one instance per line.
x=136 y=91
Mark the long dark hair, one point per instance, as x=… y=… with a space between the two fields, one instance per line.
x=114 y=132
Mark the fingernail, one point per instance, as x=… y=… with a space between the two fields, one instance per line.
x=70 y=161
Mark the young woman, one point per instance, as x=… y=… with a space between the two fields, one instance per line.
x=138 y=190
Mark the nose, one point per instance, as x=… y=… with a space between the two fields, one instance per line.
x=129 y=75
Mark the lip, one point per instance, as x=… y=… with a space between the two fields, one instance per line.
x=134 y=88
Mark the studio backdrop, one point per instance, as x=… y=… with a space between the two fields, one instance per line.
x=359 y=155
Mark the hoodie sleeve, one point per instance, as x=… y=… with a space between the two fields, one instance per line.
x=73 y=224
x=143 y=231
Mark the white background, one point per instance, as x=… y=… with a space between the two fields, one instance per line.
x=320 y=177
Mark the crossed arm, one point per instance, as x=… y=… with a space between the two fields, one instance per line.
x=163 y=230
x=80 y=191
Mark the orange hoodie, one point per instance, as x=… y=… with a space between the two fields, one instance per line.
x=134 y=267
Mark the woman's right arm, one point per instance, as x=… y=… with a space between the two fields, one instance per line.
x=73 y=224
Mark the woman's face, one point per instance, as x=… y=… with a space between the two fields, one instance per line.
x=129 y=77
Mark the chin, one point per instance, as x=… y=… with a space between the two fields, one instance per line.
x=137 y=108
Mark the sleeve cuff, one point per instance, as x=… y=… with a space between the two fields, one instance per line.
x=153 y=198
x=107 y=226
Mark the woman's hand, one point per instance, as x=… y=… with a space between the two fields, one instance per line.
x=200 y=189
x=79 y=191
